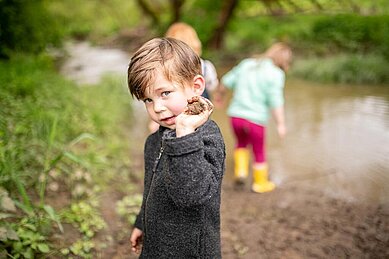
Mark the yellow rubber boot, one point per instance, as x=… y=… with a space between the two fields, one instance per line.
x=261 y=182
x=241 y=159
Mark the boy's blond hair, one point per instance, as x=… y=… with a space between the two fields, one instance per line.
x=186 y=33
x=175 y=59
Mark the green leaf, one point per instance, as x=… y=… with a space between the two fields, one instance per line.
x=26 y=209
x=26 y=206
x=82 y=137
x=30 y=226
x=53 y=216
x=43 y=248
x=72 y=157
x=7 y=204
x=28 y=253
x=11 y=234
x=6 y=215
x=3 y=234
x=17 y=246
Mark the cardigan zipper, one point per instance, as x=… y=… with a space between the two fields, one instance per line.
x=152 y=181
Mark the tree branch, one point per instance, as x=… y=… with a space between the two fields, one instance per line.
x=176 y=9
x=148 y=11
x=217 y=38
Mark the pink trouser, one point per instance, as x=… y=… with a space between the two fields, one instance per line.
x=248 y=133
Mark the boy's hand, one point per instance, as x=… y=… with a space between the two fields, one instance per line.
x=196 y=114
x=136 y=240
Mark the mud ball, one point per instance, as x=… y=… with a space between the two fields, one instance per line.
x=196 y=107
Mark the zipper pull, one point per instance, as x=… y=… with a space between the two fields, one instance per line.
x=160 y=152
x=158 y=158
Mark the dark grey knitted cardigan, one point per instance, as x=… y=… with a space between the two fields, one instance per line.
x=180 y=213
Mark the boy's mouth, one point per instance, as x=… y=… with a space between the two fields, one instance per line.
x=169 y=120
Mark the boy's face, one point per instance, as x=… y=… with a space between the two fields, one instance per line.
x=165 y=100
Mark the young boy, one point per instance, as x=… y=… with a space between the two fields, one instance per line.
x=186 y=33
x=184 y=159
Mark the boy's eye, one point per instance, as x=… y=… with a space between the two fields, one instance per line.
x=147 y=100
x=166 y=93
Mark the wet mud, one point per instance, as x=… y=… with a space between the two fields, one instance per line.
x=293 y=221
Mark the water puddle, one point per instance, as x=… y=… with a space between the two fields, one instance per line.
x=338 y=140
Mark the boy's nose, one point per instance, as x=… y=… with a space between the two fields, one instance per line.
x=158 y=106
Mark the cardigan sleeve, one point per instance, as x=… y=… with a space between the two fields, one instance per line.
x=195 y=165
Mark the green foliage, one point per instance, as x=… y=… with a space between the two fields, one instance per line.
x=323 y=36
x=36 y=103
x=26 y=26
x=94 y=19
x=30 y=241
x=80 y=248
x=26 y=237
x=354 y=69
x=51 y=129
x=256 y=34
x=203 y=16
x=85 y=217
x=30 y=114
x=128 y=207
x=352 y=33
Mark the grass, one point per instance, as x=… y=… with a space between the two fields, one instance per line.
x=50 y=131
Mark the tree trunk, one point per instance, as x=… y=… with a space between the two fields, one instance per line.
x=147 y=10
x=217 y=38
x=176 y=10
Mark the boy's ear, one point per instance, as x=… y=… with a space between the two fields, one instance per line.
x=198 y=84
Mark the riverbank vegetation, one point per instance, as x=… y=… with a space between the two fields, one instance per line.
x=61 y=144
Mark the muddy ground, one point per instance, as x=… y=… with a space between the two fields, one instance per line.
x=293 y=221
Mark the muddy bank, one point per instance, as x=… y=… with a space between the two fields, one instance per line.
x=294 y=221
